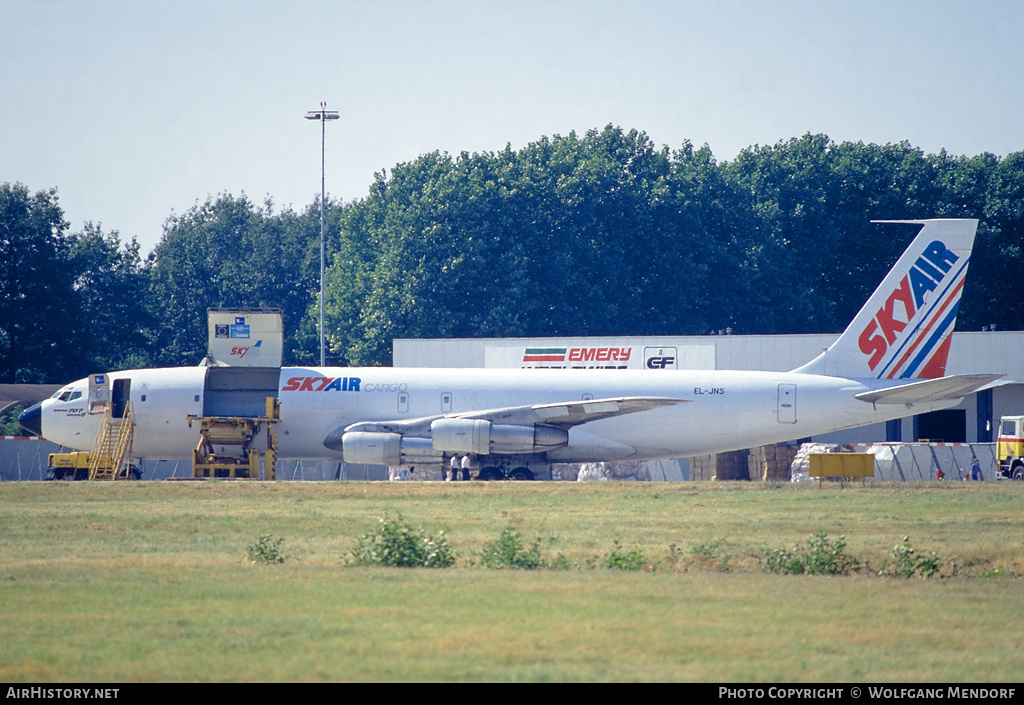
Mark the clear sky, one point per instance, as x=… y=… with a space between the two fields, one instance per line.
x=136 y=110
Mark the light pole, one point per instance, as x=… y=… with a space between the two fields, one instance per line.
x=323 y=115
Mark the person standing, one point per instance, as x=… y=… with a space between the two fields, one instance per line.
x=466 y=463
x=976 y=475
x=455 y=468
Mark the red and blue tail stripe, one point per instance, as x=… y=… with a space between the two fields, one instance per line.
x=923 y=353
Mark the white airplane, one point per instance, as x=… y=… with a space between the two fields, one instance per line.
x=889 y=363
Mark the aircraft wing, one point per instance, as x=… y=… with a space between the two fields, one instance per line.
x=568 y=414
x=561 y=414
x=513 y=429
x=943 y=388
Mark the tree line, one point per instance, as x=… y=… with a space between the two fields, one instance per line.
x=599 y=234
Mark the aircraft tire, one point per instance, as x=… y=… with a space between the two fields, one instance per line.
x=132 y=473
x=490 y=474
x=521 y=475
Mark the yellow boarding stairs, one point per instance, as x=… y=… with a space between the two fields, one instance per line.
x=112 y=450
x=240 y=431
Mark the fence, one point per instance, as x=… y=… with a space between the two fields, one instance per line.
x=24 y=458
x=905 y=462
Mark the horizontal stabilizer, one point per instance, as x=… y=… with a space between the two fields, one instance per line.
x=929 y=390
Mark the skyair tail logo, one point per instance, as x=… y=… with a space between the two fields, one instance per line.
x=923 y=351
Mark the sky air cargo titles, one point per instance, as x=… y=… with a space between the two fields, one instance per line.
x=339 y=384
x=321 y=384
x=890 y=362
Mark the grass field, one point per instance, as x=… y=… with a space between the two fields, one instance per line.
x=151 y=582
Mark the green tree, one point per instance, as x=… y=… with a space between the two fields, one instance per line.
x=813 y=200
x=71 y=303
x=228 y=252
x=569 y=236
x=993 y=293
x=111 y=322
x=35 y=287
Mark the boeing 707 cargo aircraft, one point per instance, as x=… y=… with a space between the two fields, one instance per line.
x=889 y=363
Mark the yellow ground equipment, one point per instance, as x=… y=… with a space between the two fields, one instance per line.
x=111 y=454
x=842 y=465
x=110 y=457
x=71 y=466
x=237 y=432
x=1010 y=448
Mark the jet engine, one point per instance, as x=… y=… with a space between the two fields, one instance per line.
x=481 y=437
x=391 y=449
x=375 y=446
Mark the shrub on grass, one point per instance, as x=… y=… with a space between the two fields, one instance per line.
x=619 y=559
x=710 y=555
x=784 y=561
x=395 y=543
x=507 y=551
x=820 y=556
x=266 y=550
x=903 y=563
x=991 y=573
x=827 y=557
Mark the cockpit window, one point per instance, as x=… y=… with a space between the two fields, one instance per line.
x=66 y=395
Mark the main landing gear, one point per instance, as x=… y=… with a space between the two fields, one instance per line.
x=521 y=474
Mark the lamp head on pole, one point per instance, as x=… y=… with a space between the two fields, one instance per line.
x=322 y=115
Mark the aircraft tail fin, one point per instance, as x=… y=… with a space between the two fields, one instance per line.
x=905 y=328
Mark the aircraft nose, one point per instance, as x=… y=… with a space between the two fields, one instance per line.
x=31 y=419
